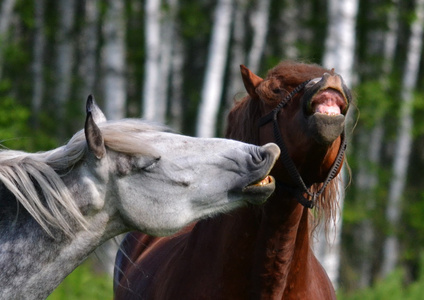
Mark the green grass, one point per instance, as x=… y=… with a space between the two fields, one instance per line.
x=84 y=284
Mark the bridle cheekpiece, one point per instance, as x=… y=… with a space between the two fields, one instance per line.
x=300 y=187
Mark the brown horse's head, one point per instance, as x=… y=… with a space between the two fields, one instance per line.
x=311 y=124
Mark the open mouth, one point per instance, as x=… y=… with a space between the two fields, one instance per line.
x=267 y=180
x=258 y=186
x=330 y=102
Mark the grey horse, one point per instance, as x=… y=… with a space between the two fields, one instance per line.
x=56 y=207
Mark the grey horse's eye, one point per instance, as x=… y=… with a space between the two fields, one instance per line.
x=151 y=164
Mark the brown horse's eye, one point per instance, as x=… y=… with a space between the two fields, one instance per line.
x=276 y=91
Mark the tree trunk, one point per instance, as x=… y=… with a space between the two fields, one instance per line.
x=37 y=64
x=339 y=54
x=5 y=18
x=114 y=60
x=259 y=20
x=89 y=44
x=152 y=65
x=177 y=79
x=238 y=55
x=403 y=143
x=214 y=77
x=370 y=147
x=290 y=23
x=64 y=60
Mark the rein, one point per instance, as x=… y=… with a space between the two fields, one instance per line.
x=301 y=188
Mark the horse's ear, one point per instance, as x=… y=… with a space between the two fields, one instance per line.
x=250 y=80
x=93 y=134
x=96 y=112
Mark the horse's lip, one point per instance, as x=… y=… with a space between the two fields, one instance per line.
x=329 y=101
x=258 y=192
x=264 y=182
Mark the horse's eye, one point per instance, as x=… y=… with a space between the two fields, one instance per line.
x=150 y=164
x=313 y=82
x=276 y=91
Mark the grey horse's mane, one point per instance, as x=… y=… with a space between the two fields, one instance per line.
x=34 y=178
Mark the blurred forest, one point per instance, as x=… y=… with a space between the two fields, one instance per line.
x=177 y=62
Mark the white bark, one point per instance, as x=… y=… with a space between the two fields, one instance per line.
x=215 y=69
x=167 y=47
x=238 y=54
x=37 y=64
x=259 y=20
x=89 y=44
x=177 y=73
x=339 y=54
x=64 y=56
x=367 y=182
x=152 y=65
x=5 y=19
x=290 y=29
x=371 y=143
x=404 y=141
x=114 y=60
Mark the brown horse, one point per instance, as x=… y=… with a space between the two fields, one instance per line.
x=257 y=252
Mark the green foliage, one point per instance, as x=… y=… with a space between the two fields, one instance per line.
x=15 y=130
x=391 y=288
x=84 y=283
x=13 y=118
x=373 y=101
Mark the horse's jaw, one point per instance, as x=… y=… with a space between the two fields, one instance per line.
x=325 y=106
x=325 y=129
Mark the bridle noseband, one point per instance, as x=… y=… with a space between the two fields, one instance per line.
x=300 y=189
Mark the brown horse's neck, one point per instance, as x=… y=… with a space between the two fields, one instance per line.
x=258 y=246
x=283 y=238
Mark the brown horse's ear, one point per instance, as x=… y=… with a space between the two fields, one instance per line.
x=250 y=80
x=93 y=134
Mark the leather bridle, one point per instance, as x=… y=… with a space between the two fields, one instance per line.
x=300 y=188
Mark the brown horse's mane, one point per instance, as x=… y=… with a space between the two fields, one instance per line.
x=243 y=125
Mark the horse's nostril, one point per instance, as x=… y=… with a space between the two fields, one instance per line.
x=271 y=149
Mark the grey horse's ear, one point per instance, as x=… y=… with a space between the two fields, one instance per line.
x=93 y=134
x=96 y=112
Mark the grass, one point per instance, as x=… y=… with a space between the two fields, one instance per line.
x=84 y=284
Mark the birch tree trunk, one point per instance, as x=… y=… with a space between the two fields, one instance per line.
x=152 y=65
x=89 y=44
x=215 y=69
x=166 y=56
x=259 y=20
x=64 y=58
x=370 y=144
x=339 y=54
x=177 y=78
x=114 y=60
x=238 y=54
x=37 y=64
x=5 y=18
x=404 y=141
x=290 y=19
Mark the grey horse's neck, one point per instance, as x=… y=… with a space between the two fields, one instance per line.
x=32 y=263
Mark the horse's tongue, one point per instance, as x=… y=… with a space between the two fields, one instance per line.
x=328 y=102
x=329 y=108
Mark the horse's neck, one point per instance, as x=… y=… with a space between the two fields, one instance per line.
x=33 y=264
x=283 y=244
x=255 y=240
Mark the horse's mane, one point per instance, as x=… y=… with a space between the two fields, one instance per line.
x=243 y=124
x=35 y=180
